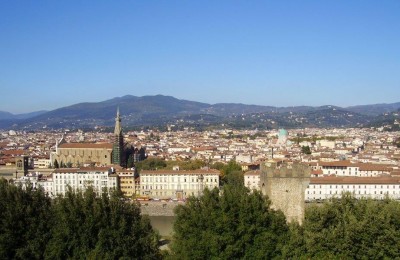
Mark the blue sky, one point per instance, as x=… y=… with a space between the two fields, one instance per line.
x=280 y=53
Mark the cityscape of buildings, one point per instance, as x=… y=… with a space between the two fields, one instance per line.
x=362 y=161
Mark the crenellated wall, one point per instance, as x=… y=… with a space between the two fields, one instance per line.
x=285 y=186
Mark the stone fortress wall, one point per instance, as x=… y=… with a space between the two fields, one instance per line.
x=285 y=186
x=158 y=208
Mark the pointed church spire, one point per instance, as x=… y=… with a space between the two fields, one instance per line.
x=117 y=130
x=118 y=146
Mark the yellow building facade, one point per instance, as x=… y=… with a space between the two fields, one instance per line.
x=127 y=182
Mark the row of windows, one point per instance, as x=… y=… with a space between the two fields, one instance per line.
x=80 y=182
x=165 y=179
x=126 y=182
x=335 y=167
x=253 y=177
x=359 y=192
x=82 y=177
x=361 y=195
x=79 y=152
x=173 y=187
x=254 y=182
x=166 y=193
x=361 y=173
x=354 y=186
x=66 y=182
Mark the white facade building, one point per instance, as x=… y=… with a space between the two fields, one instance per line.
x=348 y=169
x=252 y=180
x=326 y=143
x=361 y=187
x=37 y=181
x=244 y=158
x=167 y=184
x=100 y=178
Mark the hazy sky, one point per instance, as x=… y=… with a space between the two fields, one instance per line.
x=281 y=53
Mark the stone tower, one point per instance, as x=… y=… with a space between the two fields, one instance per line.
x=285 y=186
x=21 y=166
x=118 y=145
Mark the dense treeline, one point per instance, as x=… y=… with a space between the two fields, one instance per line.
x=237 y=224
x=154 y=163
x=80 y=225
x=230 y=223
x=24 y=225
x=348 y=228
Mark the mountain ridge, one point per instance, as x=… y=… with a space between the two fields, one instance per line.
x=160 y=109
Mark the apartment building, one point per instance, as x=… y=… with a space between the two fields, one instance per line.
x=41 y=163
x=100 y=178
x=252 y=180
x=367 y=187
x=170 y=184
x=347 y=168
x=127 y=182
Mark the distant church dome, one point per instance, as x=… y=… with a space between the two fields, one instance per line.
x=282 y=136
x=283 y=133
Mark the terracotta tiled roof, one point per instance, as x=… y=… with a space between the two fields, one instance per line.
x=336 y=163
x=317 y=172
x=66 y=170
x=3 y=144
x=251 y=173
x=205 y=148
x=395 y=173
x=87 y=145
x=82 y=169
x=373 y=167
x=13 y=152
x=89 y=169
x=355 y=180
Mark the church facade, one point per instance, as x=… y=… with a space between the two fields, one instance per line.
x=81 y=154
x=85 y=154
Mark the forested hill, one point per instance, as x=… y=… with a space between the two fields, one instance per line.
x=161 y=110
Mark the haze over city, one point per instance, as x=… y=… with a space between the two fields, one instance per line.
x=341 y=53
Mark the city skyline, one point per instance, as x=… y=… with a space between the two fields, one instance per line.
x=273 y=54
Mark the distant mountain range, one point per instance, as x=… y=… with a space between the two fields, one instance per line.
x=7 y=115
x=160 y=110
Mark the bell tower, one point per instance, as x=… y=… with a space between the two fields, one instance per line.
x=21 y=166
x=118 y=145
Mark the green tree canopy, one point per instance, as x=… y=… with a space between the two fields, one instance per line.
x=229 y=224
x=87 y=226
x=151 y=164
x=24 y=225
x=232 y=172
x=217 y=165
x=79 y=225
x=56 y=164
x=306 y=149
x=348 y=228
